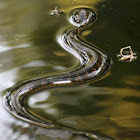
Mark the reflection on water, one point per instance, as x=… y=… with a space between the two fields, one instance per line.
x=28 y=49
x=90 y=108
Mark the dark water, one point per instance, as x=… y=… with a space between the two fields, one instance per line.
x=29 y=49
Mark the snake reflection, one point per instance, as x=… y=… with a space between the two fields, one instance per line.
x=94 y=64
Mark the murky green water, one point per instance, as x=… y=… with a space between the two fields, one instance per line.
x=29 y=49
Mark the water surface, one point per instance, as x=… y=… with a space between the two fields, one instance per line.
x=29 y=49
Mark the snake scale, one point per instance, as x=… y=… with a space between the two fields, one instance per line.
x=94 y=64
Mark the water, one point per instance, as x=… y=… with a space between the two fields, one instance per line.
x=29 y=49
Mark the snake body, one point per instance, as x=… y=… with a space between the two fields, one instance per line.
x=94 y=64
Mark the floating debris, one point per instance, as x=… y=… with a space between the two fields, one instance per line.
x=107 y=117
x=127 y=55
x=73 y=1
x=56 y=11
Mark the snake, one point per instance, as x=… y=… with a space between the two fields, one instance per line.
x=94 y=64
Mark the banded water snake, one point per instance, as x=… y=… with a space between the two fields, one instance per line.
x=94 y=64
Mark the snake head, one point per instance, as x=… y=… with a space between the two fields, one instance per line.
x=82 y=17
